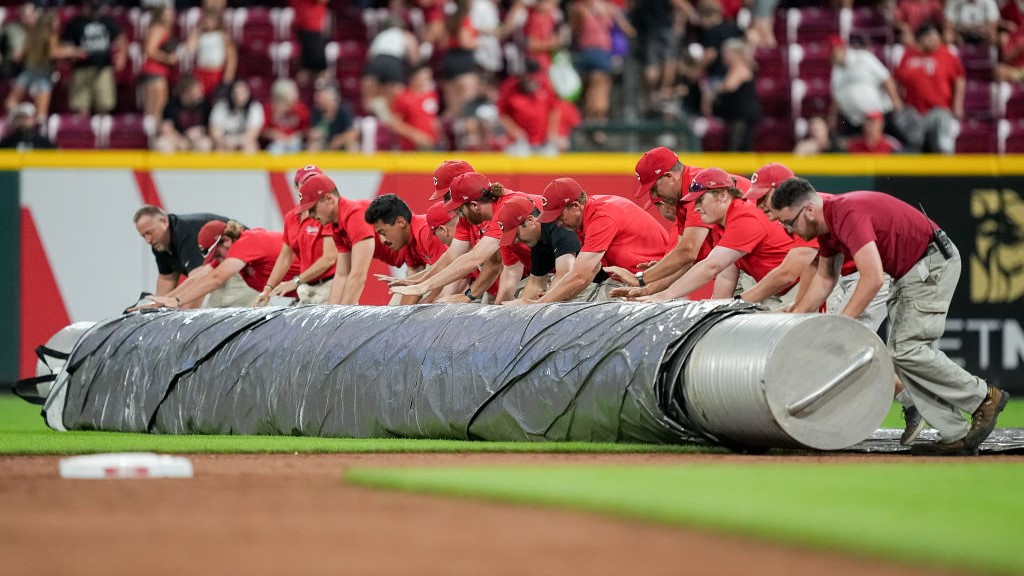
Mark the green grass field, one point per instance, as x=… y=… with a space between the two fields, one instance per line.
x=961 y=514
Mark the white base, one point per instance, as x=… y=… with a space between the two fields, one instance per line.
x=125 y=465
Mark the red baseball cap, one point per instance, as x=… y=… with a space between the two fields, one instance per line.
x=557 y=195
x=653 y=165
x=511 y=214
x=835 y=40
x=444 y=174
x=766 y=179
x=467 y=187
x=209 y=238
x=438 y=215
x=312 y=190
x=708 y=179
x=305 y=172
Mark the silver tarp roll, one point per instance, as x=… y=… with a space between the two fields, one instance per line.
x=608 y=372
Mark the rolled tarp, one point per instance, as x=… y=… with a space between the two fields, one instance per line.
x=603 y=372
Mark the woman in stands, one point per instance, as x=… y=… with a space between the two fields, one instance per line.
x=735 y=99
x=160 y=56
x=216 y=58
x=36 y=79
x=231 y=249
x=236 y=120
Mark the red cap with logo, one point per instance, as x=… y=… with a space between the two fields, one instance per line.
x=305 y=172
x=766 y=179
x=653 y=165
x=468 y=187
x=209 y=238
x=708 y=179
x=559 y=193
x=312 y=190
x=438 y=215
x=444 y=175
x=511 y=214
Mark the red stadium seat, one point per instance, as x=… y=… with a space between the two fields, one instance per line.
x=774 y=135
x=811 y=24
x=72 y=131
x=775 y=97
x=712 y=134
x=811 y=98
x=979 y=100
x=124 y=132
x=811 y=60
x=977 y=137
x=1011 y=136
x=252 y=25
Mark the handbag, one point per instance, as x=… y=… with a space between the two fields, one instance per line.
x=564 y=78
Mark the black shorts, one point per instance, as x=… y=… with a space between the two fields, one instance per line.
x=386 y=69
x=312 y=50
x=457 y=62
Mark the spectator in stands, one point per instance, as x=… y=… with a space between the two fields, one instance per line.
x=413 y=116
x=591 y=22
x=486 y=20
x=1011 y=56
x=333 y=124
x=860 y=84
x=820 y=139
x=434 y=28
x=873 y=139
x=972 y=21
x=22 y=131
x=933 y=82
x=310 y=21
x=761 y=32
x=715 y=30
x=160 y=56
x=393 y=52
x=185 y=120
x=287 y=118
x=734 y=100
x=92 y=87
x=237 y=120
x=659 y=28
x=529 y=111
x=36 y=77
x=460 y=80
x=14 y=38
x=541 y=32
x=214 y=53
x=911 y=14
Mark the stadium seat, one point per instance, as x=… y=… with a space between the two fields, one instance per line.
x=810 y=60
x=711 y=132
x=867 y=22
x=1011 y=101
x=979 y=61
x=811 y=98
x=977 y=137
x=72 y=131
x=252 y=26
x=255 y=59
x=775 y=97
x=774 y=135
x=979 y=100
x=811 y=24
x=123 y=132
x=260 y=88
x=282 y=19
x=771 y=63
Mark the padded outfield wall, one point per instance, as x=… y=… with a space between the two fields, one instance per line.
x=69 y=251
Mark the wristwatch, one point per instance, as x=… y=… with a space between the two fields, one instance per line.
x=297 y=280
x=640 y=278
x=469 y=294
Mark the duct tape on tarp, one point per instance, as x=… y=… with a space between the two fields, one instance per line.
x=607 y=372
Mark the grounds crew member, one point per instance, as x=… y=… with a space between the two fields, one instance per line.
x=312 y=243
x=745 y=240
x=173 y=238
x=232 y=250
x=884 y=235
x=613 y=231
x=409 y=235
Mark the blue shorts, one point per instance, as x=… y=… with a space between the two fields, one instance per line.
x=594 y=60
x=35 y=82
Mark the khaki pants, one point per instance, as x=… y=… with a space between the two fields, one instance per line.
x=92 y=90
x=874 y=314
x=315 y=294
x=597 y=292
x=777 y=302
x=233 y=293
x=918 y=304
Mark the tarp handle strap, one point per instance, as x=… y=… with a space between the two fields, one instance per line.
x=26 y=388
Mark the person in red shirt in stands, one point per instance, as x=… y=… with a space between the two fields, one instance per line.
x=405 y=233
x=528 y=109
x=414 y=112
x=353 y=237
x=663 y=177
x=310 y=18
x=934 y=84
x=744 y=239
x=541 y=32
x=287 y=118
x=613 y=232
x=476 y=199
x=313 y=245
x=884 y=235
x=873 y=139
x=231 y=249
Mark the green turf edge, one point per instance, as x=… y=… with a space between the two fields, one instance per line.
x=959 y=515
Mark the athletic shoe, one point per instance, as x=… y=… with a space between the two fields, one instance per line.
x=913 y=425
x=983 y=421
x=958 y=448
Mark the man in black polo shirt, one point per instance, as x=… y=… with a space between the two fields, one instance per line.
x=175 y=244
x=543 y=248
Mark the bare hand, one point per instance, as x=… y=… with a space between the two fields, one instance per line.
x=413 y=290
x=518 y=302
x=626 y=292
x=646 y=265
x=284 y=288
x=262 y=300
x=622 y=275
x=392 y=280
x=156 y=302
x=454 y=299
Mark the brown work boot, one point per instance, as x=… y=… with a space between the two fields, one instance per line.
x=913 y=425
x=983 y=421
x=958 y=448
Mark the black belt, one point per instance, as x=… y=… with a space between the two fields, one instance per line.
x=320 y=281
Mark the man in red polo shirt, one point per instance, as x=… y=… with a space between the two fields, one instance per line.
x=476 y=199
x=934 y=86
x=884 y=235
x=407 y=234
x=414 y=112
x=662 y=176
x=744 y=240
x=353 y=237
x=613 y=231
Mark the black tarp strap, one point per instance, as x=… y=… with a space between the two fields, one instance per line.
x=26 y=388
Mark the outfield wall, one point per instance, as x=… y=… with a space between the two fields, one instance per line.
x=70 y=251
